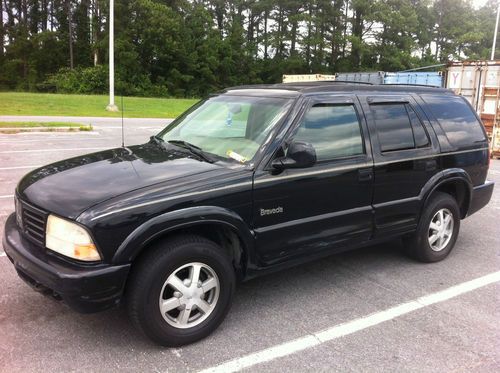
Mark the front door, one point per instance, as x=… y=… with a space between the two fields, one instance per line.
x=303 y=211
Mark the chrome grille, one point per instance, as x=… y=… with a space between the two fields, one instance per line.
x=31 y=221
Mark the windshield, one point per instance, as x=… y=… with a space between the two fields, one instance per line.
x=231 y=127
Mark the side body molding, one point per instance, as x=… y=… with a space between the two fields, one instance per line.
x=183 y=218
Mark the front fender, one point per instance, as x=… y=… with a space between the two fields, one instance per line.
x=170 y=221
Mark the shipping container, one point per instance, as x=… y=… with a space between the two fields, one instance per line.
x=434 y=78
x=362 y=77
x=307 y=78
x=479 y=83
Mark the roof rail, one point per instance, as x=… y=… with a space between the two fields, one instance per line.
x=322 y=82
x=414 y=85
x=351 y=82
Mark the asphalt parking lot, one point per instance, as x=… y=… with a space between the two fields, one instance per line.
x=382 y=311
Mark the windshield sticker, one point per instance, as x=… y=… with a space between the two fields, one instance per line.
x=236 y=156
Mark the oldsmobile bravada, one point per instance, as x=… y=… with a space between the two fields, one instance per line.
x=246 y=182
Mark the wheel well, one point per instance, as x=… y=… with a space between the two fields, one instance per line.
x=458 y=190
x=223 y=236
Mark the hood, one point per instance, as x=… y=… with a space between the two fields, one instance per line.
x=71 y=186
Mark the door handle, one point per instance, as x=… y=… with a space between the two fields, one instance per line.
x=365 y=174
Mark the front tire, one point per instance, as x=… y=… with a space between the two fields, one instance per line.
x=181 y=290
x=437 y=230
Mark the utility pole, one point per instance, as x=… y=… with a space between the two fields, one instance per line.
x=495 y=36
x=111 y=106
x=70 y=34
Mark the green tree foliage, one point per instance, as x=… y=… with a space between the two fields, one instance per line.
x=193 y=47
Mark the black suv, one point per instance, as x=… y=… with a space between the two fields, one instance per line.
x=246 y=182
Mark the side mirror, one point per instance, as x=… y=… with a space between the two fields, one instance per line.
x=299 y=155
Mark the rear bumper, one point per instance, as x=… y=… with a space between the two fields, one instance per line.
x=85 y=288
x=480 y=197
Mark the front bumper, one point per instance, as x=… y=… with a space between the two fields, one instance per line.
x=85 y=288
x=480 y=197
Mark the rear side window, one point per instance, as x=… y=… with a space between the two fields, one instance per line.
x=456 y=118
x=398 y=127
x=419 y=133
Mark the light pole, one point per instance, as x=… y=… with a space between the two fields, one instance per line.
x=111 y=106
x=495 y=36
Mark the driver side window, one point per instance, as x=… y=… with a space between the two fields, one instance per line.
x=333 y=130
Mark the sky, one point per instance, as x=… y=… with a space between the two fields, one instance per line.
x=478 y=3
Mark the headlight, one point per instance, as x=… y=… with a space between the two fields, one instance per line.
x=69 y=239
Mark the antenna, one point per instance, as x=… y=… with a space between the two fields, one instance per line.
x=123 y=137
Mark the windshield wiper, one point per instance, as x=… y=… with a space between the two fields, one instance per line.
x=196 y=150
x=157 y=139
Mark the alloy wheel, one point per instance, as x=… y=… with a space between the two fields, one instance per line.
x=441 y=229
x=189 y=295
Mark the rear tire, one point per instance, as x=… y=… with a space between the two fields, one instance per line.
x=181 y=290
x=437 y=230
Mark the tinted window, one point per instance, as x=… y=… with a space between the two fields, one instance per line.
x=333 y=130
x=456 y=118
x=393 y=127
x=419 y=133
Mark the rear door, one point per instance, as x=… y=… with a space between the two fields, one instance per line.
x=405 y=152
x=303 y=211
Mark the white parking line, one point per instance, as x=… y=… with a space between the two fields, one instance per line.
x=2 y=254
x=19 y=167
x=50 y=150
x=7 y=196
x=312 y=340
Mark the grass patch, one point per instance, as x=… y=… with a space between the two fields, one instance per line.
x=86 y=128
x=18 y=103
x=46 y=126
